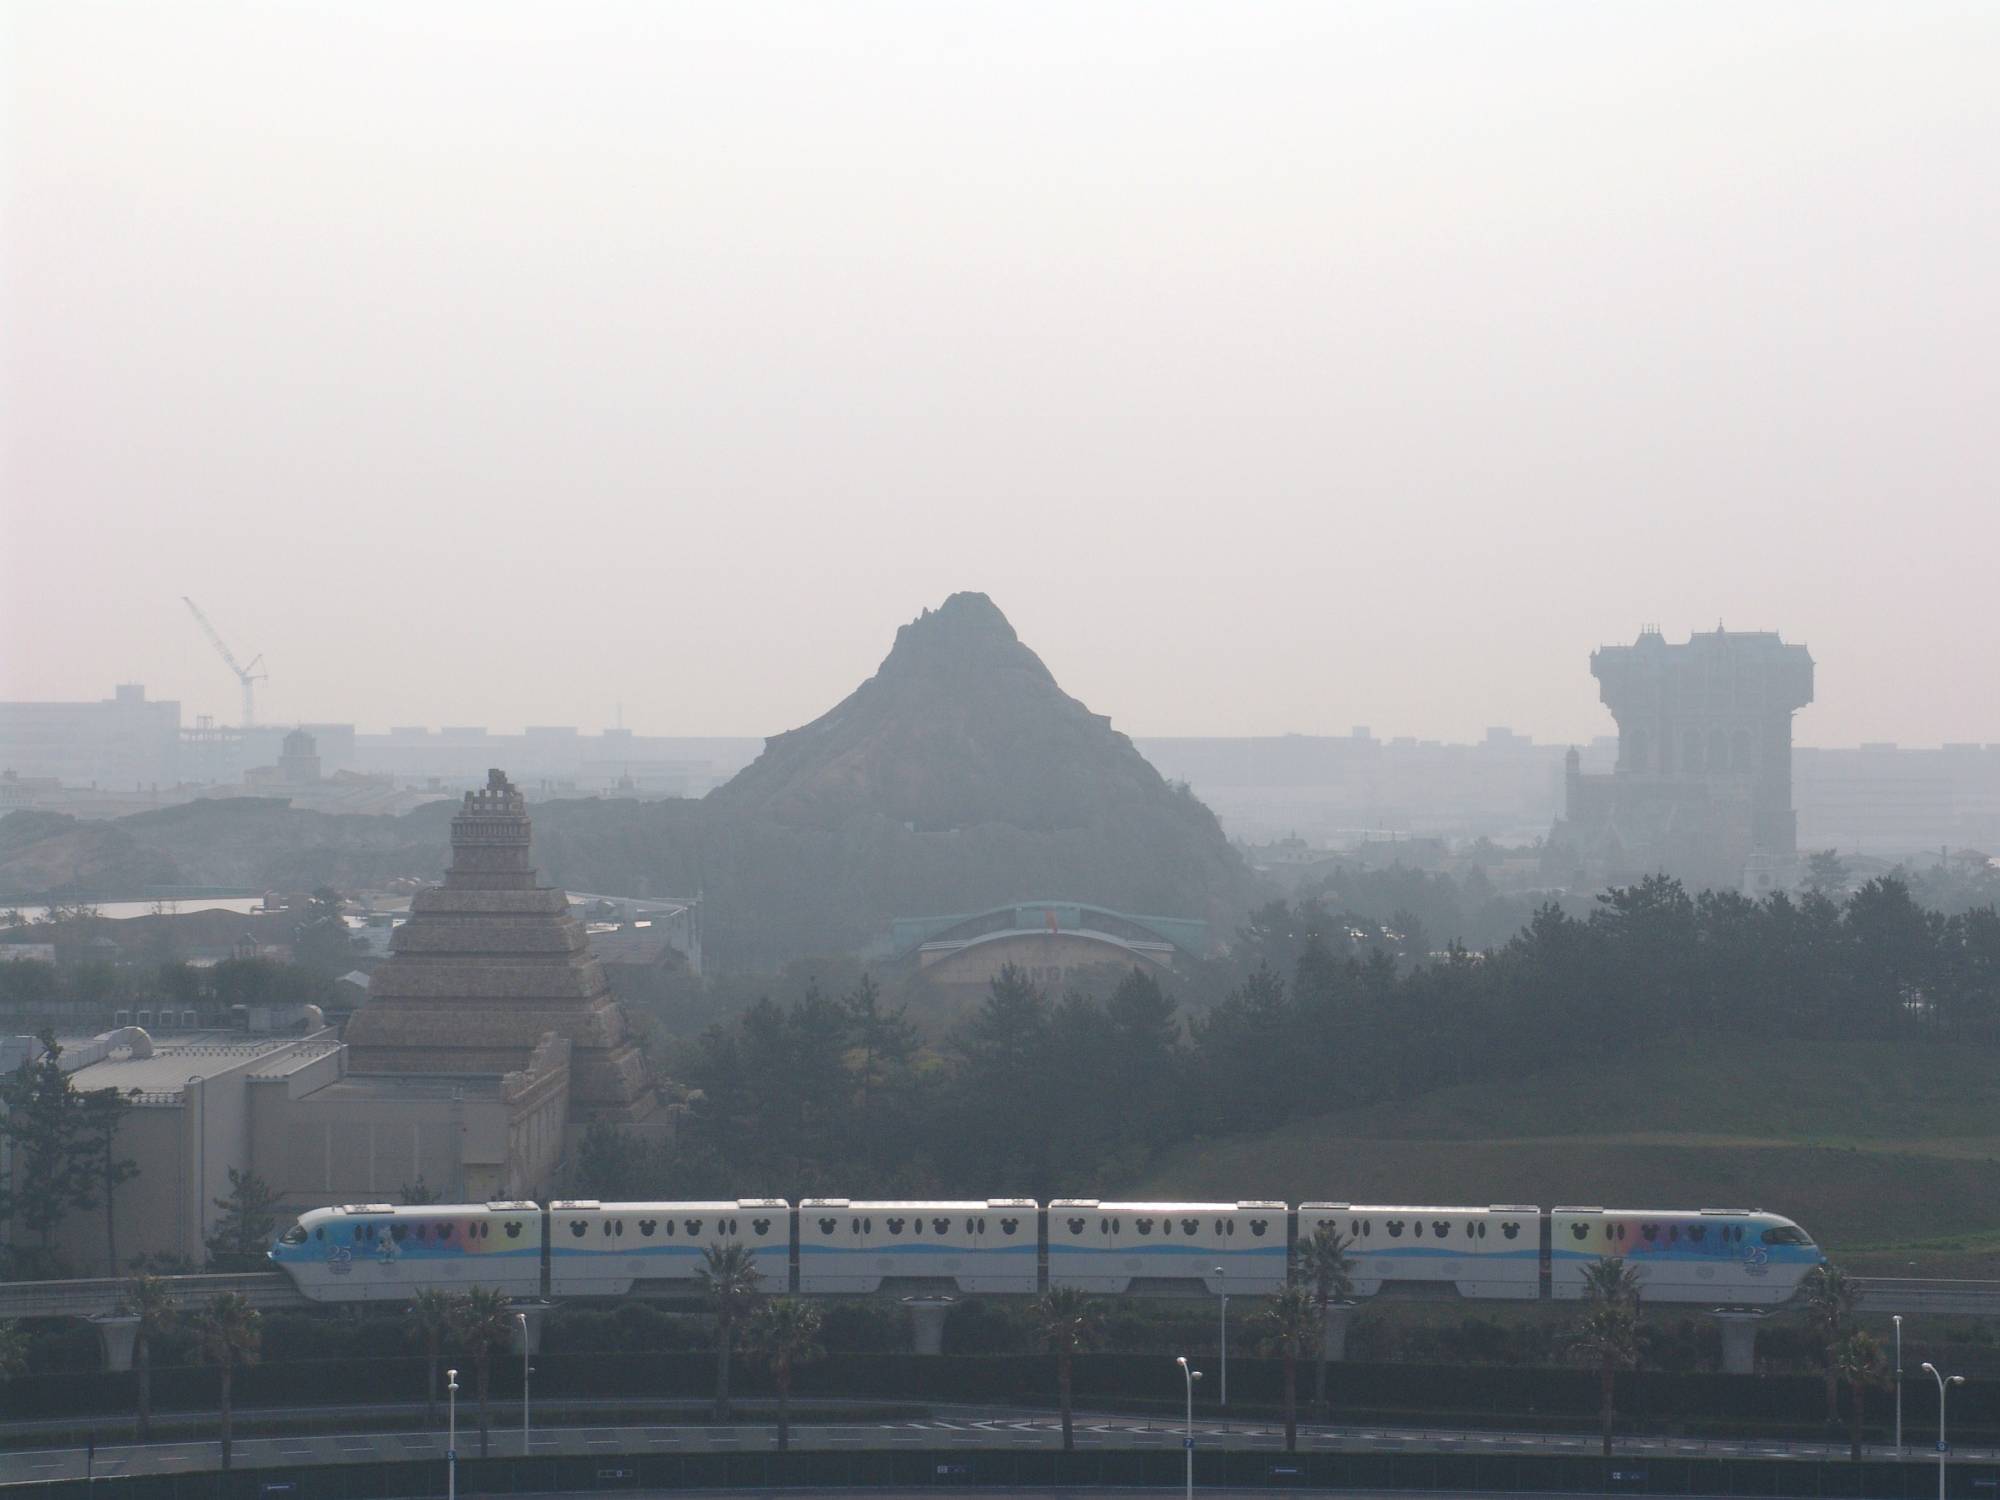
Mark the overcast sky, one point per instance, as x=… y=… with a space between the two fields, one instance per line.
x=1274 y=367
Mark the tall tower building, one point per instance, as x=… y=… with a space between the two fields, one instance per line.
x=1703 y=783
x=488 y=964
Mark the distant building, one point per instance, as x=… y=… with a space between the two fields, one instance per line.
x=1702 y=788
x=1055 y=943
x=125 y=741
x=287 y=1109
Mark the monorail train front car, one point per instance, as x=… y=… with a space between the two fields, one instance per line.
x=378 y=1252
x=1726 y=1256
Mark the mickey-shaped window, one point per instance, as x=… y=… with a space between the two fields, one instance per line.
x=397 y=1231
x=577 y=1227
x=1008 y=1226
x=1189 y=1226
x=1440 y=1228
x=826 y=1226
x=1258 y=1226
x=693 y=1227
x=895 y=1224
x=941 y=1226
x=762 y=1226
x=1512 y=1231
x=1395 y=1228
x=1579 y=1231
x=1076 y=1226
x=1650 y=1231
x=1145 y=1225
x=647 y=1226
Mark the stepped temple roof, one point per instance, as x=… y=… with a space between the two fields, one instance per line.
x=490 y=963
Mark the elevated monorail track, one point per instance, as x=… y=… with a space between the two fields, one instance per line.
x=271 y=1290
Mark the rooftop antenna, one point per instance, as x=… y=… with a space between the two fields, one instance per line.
x=248 y=676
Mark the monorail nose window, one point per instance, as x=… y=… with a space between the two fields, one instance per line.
x=1786 y=1234
x=296 y=1235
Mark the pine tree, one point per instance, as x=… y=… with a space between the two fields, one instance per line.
x=42 y=1121
x=243 y=1233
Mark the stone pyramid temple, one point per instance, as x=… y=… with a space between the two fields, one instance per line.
x=489 y=964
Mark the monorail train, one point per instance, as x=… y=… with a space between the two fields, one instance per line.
x=584 y=1248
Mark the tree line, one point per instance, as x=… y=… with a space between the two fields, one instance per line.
x=1042 y=1094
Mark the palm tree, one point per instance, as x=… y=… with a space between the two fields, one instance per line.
x=430 y=1318
x=148 y=1300
x=229 y=1334
x=1857 y=1359
x=1291 y=1327
x=482 y=1324
x=1326 y=1270
x=1830 y=1300
x=1607 y=1335
x=1067 y=1323
x=728 y=1275
x=785 y=1333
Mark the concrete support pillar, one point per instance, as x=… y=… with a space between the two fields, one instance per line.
x=1334 y=1335
x=536 y=1313
x=118 y=1333
x=927 y=1315
x=1739 y=1339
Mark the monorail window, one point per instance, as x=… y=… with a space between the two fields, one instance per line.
x=1785 y=1234
x=647 y=1226
x=1228 y=1227
x=1579 y=1231
x=397 y=1231
x=1697 y=1232
x=1673 y=1233
x=1395 y=1229
x=1510 y=1230
x=296 y=1235
x=1417 y=1229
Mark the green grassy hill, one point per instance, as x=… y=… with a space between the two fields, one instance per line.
x=1887 y=1155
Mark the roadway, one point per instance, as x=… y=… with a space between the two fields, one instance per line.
x=1910 y=1295
x=969 y=1429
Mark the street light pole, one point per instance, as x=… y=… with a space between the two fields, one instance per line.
x=1224 y=1393
x=526 y=1371
x=451 y=1435
x=1944 y=1387
x=1188 y=1442
x=1898 y=1321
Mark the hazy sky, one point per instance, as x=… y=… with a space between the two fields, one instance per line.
x=1274 y=367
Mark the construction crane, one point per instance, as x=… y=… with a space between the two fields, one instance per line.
x=249 y=676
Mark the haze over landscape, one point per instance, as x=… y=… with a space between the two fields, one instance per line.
x=1277 y=367
x=999 y=706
